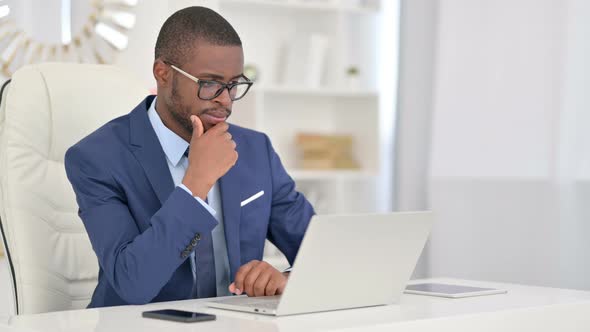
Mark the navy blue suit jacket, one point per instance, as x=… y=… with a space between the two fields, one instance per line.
x=139 y=223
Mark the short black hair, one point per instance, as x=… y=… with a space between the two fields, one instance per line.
x=179 y=33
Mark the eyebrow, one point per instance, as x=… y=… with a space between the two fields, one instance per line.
x=219 y=77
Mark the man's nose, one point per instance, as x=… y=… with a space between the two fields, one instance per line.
x=224 y=98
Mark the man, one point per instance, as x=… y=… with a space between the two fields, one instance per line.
x=178 y=203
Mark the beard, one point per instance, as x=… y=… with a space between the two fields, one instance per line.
x=182 y=114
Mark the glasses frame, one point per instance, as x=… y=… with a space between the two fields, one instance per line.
x=224 y=86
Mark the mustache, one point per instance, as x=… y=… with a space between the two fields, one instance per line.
x=227 y=111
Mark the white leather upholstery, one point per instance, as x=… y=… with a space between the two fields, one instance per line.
x=48 y=108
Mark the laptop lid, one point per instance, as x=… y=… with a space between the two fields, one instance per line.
x=349 y=261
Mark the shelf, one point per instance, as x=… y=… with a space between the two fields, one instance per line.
x=319 y=92
x=307 y=175
x=304 y=5
x=303 y=38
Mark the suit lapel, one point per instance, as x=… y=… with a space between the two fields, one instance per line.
x=230 y=200
x=147 y=149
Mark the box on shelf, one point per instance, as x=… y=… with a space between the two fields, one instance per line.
x=320 y=151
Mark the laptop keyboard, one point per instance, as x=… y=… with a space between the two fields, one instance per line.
x=266 y=302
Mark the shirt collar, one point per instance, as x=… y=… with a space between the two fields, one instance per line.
x=172 y=144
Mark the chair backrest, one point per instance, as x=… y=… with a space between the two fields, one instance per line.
x=48 y=108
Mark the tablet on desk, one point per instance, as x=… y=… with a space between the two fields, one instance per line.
x=452 y=291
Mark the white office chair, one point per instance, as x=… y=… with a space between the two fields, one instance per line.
x=44 y=110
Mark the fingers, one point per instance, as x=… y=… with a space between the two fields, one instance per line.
x=258 y=279
x=241 y=276
x=228 y=138
x=219 y=129
x=276 y=285
x=234 y=156
x=272 y=287
x=261 y=283
x=198 y=128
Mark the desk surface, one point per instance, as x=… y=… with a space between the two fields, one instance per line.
x=523 y=308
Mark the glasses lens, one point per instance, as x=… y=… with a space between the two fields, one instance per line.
x=238 y=91
x=212 y=89
x=209 y=89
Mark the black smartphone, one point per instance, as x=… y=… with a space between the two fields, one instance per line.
x=178 y=315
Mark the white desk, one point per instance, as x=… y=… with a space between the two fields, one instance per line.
x=523 y=308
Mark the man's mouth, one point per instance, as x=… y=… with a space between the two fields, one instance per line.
x=214 y=117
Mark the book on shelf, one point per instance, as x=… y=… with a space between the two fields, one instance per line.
x=325 y=152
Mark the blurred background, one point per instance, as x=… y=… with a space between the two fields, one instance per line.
x=475 y=109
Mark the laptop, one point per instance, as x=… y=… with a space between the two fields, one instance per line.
x=346 y=261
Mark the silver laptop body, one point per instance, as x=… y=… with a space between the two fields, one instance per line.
x=346 y=261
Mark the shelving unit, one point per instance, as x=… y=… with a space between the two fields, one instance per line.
x=317 y=5
x=323 y=91
x=278 y=38
x=330 y=175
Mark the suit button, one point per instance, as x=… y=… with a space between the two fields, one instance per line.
x=185 y=253
x=198 y=236
x=194 y=242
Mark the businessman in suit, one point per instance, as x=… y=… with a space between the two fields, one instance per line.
x=177 y=202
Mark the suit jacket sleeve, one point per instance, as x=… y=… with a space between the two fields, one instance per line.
x=290 y=210
x=137 y=265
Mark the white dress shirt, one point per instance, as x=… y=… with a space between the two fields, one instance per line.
x=174 y=147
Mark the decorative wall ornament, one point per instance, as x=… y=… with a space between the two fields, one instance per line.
x=103 y=34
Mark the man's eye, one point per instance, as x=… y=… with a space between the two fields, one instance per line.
x=210 y=84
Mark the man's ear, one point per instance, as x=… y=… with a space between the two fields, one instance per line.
x=162 y=73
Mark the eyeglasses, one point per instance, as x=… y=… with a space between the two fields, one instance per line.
x=209 y=90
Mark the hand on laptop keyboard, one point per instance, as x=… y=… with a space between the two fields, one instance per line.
x=257 y=278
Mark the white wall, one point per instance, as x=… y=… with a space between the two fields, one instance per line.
x=498 y=87
x=418 y=23
x=139 y=56
x=573 y=169
x=413 y=126
x=151 y=14
x=511 y=82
